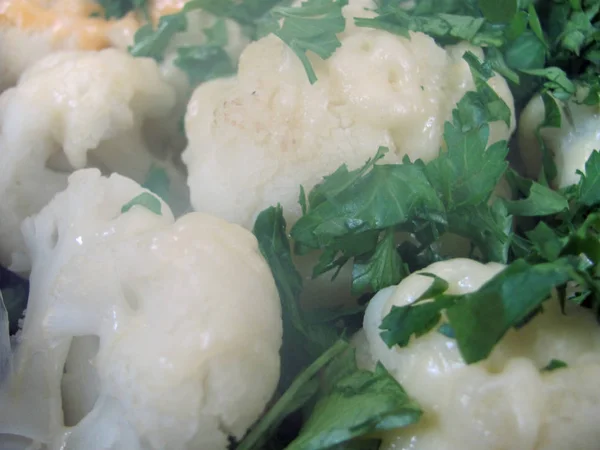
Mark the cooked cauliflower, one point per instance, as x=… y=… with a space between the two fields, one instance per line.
x=505 y=401
x=255 y=138
x=170 y=331
x=71 y=110
x=199 y=22
x=32 y=29
x=571 y=144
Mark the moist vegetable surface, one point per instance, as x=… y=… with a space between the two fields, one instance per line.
x=276 y=224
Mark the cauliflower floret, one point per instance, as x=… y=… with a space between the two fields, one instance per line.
x=505 y=401
x=32 y=29
x=571 y=144
x=70 y=110
x=162 y=349
x=198 y=23
x=255 y=138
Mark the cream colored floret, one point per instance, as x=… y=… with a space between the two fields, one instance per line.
x=505 y=401
x=255 y=138
x=72 y=110
x=162 y=349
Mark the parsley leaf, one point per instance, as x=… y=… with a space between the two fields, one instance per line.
x=498 y=12
x=303 y=341
x=554 y=365
x=204 y=62
x=539 y=200
x=481 y=318
x=589 y=187
x=152 y=43
x=312 y=26
x=300 y=392
x=246 y=12
x=355 y=405
x=146 y=200
x=158 y=182
x=370 y=202
x=342 y=403
x=446 y=25
x=120 y=8
x=467 y=173
x=384 y=267
x=546 y=242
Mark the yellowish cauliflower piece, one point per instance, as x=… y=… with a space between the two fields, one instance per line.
x=504 y=402
x=571 y=144
x=255 y=138
x=32 y=29
x=71 y=110
x=170 y=331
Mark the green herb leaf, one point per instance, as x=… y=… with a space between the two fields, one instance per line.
x=546 y=242
x=313 y=26
x=526 y=52
x=152 y=43
x=467 y=173
x=555 y=364
x=403 y=322
x=438 y=287
x=356 y=405
x=539 y=200
x=446 y=330
x=481 y=318
x=499 y=11
x=382 y=268
x=246 y=12
x=204 y=62
x=589 y=187
x=558 y=81
x=385 y=196
x=449 y=28
x=552 y=119
x=146 y=200
x=120 y=8
x=300 y=392
x=158 y=182
x=302 y=341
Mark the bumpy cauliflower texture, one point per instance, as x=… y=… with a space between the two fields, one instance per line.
x=571 y=144
x=71 y=110
x=504 y=402
x=170 y=331
x=254 y=139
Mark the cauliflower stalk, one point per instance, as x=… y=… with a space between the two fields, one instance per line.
x=159 y=347
x=71 y=110
x=571 y=144
x=255 y=138
x=504 y=401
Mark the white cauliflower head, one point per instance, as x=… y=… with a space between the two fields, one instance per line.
x=505 y=401
x=255 y=138
x=32 y=29
x=170 y=331
x=71 y=110
x=571 y=144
